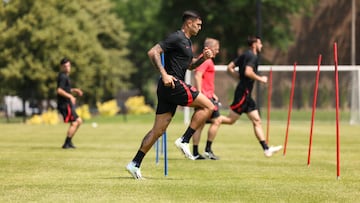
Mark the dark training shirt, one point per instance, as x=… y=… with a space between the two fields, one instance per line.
x=246 y=59
x=177 y=54
x=63 y=82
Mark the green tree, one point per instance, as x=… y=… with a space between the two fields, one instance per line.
x=229 y=21
x=232 y=21
x=35 y=35
x=141 y=21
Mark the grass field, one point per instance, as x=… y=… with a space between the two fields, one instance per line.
x=34 y=168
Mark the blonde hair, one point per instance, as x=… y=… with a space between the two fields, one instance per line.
x=210 y=42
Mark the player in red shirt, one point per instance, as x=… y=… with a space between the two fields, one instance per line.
x=204 y=81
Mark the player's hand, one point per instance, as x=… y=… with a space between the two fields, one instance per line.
x=79 y=92
x=168 y=81
x=207 y=53
x=263 y=79
x=73 y=100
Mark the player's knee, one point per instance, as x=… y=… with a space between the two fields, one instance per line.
x=256 y=121
x=77 y=122
x=217 y=121
x=231 y=121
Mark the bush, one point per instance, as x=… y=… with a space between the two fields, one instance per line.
x=108 y=108
x=50 y=117
x=136 y=105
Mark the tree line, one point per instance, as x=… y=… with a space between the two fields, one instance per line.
x=107 y=40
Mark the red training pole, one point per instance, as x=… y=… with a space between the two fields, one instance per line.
x=337 y=112
x=269 y=106
x=290 y=107
x=314 y=107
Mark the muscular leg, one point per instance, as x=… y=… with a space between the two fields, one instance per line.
x=74 y=126
x=205 y=110
x=197 y=135
x=259 y=133
x=196 y=140
x=213 y=128
x=230 y=119
x=256 y=121
x=161 y=123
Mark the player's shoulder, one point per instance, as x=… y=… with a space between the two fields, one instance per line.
x=62 y=75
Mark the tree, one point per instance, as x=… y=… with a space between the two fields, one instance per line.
x=141 y=21
x=229 y=21
x=35 y=35
x=232 y=21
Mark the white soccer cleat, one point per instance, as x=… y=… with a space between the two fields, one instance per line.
x=184 y=148
x=134 y=171
x=269 y=152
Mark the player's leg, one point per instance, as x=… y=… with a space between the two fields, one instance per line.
x=69 y=115
x=204 y=109
x=212 y=132
x=254 y=117
x=230 y=119
x=162 y=121
x=74 y=126
x=196 y=140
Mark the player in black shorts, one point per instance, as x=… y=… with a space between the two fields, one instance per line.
x=243 y=102
x=173 y=91
x=66 y=102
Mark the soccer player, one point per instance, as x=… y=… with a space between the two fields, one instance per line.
x=243 y=102
x=173 y=91
x=66 y=102
x=204 y=80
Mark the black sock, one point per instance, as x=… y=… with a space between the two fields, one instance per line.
x=264 y=145
x=187 y=135
x=195 y=150
x=68 y=140
x=138 y=158
x=208 y=146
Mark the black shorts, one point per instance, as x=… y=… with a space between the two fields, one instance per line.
x=169 y=98
x=243 y=103
x=68 y=112
x=216 y=112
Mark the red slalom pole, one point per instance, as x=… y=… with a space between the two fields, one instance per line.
x=337 y=112
x=269 y=106
x=314 y=107
x=290 y=108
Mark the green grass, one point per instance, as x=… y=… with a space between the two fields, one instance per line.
x=33 y=167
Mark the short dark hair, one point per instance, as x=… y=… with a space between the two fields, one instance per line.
x=252 y=39
x=64 y=60
x=190 y=14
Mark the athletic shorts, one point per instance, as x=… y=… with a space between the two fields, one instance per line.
x=242 y=103
x=68 y=112
x=169 y=98
x=216 y=112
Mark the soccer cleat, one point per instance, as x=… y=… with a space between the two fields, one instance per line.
x=269 y=152
x=68 y=146
x=199 y=157
x=134 y=171
x=211 y=155
x=71 y=145
x=184 y=147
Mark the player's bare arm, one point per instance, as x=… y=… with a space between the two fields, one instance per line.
x=154 y=54
x=232 y=72
x=207 y=53
x=77 y=91
x=63 y=93
x=249 y=72
x=198 y=79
